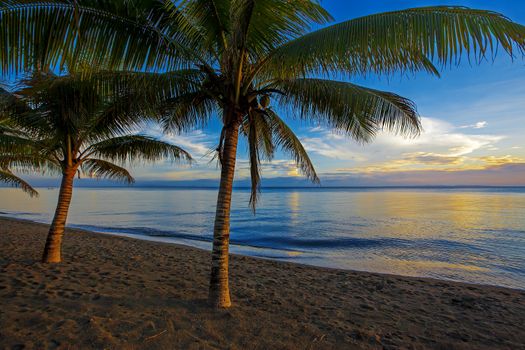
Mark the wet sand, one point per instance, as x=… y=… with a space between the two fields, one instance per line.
x=121 y=293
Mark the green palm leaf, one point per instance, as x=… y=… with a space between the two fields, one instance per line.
x=404 y=40
x=265 y=131
x=273 y=22
x=13 y=180
x=126 y=149
x=355 y=110
x=30 y=163
x=207 y=20
x=186 y=111
x=255 y=160
x=286 y=139
x=46 y=34
x=99 y=168
x=10 y=143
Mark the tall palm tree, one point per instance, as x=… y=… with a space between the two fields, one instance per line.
x=251 y=59
x=69 y=125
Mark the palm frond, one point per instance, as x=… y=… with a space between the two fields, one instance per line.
x=99 y=168
x=407 y=40
x=255 y=160
x=60 y=104
x=187 y=111
x=206 y=21
x=30 y=163
x=265 y=133
x=275 y=22
x=9 y=178
x=355 y=110
x=17 y=117
x=104 y=104
x=149 y=86
x=127 y=149
x=286 y=139
x=10 y=143
x=7 y=127
x=47 y=34
x=11 y=104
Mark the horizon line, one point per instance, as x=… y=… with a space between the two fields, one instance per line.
x=293 y=187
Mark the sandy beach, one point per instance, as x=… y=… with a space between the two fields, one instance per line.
x=121 y=293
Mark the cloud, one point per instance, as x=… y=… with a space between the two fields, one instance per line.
x=478 y=125
x=502 y=160
x=440 y=144
x=277 y=167
x=197 y=143
x=329 y=145
x=431 y=158
x=509 y=174
x=441 y=148
x=428 y=162
x=440 y=135
x=512 y=174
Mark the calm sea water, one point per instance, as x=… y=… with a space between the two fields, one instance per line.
x=472 y=235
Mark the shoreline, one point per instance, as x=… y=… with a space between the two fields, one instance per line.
x=172 y=241
x=119 y=292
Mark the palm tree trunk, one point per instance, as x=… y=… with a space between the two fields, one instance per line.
x=52 y=250
x=219 y=293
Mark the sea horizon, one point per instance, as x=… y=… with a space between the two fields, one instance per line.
x=385 y=187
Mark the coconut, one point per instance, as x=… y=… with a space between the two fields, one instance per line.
x=265 y=101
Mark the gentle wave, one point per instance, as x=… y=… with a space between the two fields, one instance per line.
x=474 y=235
x=273 y=242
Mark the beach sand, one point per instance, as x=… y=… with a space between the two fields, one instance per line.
x=122 y=293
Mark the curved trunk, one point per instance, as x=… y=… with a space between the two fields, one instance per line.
x=52 y=250
x=219 y=293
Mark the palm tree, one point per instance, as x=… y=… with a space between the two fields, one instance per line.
x=6 y=175
x=251 y=59
x=69 y=125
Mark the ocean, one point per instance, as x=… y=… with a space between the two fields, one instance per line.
x=474 y=235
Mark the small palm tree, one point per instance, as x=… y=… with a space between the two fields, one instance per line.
x=249 y=60
x=6 y=175
x=67 y=125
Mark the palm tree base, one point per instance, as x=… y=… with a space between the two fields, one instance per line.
x=51 y=258
x=219 y=300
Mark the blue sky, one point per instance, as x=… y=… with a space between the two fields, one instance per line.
x=473 y=118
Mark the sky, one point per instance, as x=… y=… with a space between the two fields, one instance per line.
x=473 y=119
